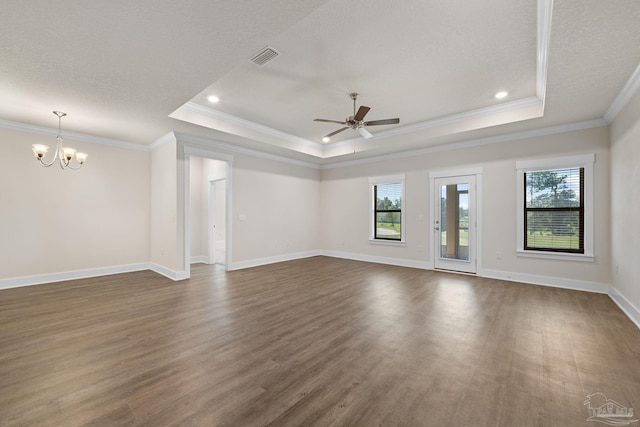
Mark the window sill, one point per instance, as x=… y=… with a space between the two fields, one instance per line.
x=386 y=242
x=556 y=256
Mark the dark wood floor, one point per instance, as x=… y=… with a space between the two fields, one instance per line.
x=318 y=341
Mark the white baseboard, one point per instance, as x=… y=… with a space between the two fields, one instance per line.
x=17 y=282
x=631 y=311
x=70 y=275
x=202 y=259
x=603 y=288
x=425 y=265
x=171 y=274
x=239 y=265
x=555 y=282
x=627 y=308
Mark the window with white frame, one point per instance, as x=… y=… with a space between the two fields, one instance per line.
x=386 y=208
x=555 y=207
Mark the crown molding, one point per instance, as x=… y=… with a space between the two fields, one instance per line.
x=170 y=137
x=428 y=124
x=260 y=154
x=447 y=120
x=199 y=152
x=505 y=107
x=76 y=136
x=247 y=124
x=241 y=150
x=545 y=13
x=544 y=20
x=628 y=90
x=569 y=127
x=543 y=33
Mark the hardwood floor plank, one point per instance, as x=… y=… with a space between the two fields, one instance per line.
x=313 y=342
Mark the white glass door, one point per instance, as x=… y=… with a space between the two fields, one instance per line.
x=455 y=223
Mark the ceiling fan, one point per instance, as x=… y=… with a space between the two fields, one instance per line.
x=356 y=121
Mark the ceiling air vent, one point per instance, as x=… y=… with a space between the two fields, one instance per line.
x=264 y=56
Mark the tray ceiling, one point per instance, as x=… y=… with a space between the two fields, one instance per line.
x=134 y=71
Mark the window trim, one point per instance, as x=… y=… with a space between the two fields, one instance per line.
x=585 y=161
x=579 y=209
x=389 y=179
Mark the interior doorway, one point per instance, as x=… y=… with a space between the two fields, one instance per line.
x=217 y=222
x=208 y=201
x=455 y=232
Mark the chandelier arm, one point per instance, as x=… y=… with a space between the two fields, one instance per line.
x=46 y=165
x=55 y=157
x=60 y=152
x=72 y=168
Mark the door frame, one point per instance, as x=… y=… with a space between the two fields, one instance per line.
x=452 y=173
x=186 y=237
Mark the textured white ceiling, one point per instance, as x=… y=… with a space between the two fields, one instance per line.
x=410 y=60
x=120 y=68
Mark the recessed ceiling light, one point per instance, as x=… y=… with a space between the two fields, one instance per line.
x=326 y=139
x=213 y=99
x=502 y=94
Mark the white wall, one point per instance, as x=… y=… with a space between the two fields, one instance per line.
x=54 y=221
x=625 y=203
x=344 y=223
x=344 y=202
x=279 y=201
x=281 y=204
x=124 y=209
x=164 y=208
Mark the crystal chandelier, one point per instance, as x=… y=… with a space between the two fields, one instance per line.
x=64 y=155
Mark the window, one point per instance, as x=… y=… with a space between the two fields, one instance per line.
x=555 y=200
x=554 y=210
x=387 y=205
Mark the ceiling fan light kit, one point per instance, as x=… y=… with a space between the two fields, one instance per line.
x=356 y=121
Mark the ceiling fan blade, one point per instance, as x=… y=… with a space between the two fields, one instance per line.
x=382 y=122
x=362 y=111
x=333 y=133
x=365 y=133
x=329 y=121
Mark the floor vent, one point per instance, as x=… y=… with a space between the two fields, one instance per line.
x=264 y=56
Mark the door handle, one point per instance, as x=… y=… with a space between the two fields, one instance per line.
x=436 y=228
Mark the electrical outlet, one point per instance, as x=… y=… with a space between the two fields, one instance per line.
x=498 y=255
